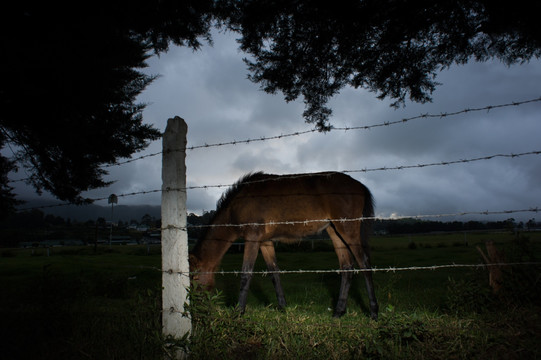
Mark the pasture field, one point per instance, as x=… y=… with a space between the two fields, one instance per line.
x=81 y=304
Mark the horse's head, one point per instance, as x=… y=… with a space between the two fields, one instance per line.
x=201 y=274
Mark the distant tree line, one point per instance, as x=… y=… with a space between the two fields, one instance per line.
x=34 y=224
x=33 y=219
x=36 y=218
x=416 y=226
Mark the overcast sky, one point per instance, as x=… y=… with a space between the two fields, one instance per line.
x=210 y=90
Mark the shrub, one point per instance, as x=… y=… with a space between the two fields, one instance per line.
x=521 y=284
x=471 y=295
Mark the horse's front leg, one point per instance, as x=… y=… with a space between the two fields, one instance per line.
x=250 y=255
x=267 y=249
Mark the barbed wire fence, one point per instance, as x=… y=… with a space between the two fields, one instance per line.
x=181 y=230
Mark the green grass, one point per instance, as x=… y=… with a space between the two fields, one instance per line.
x=77 y=304
x=300 y=333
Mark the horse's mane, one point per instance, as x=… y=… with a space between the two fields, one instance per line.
x=232 y=191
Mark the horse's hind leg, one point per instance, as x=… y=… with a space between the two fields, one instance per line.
x=250 y=255
x=370 y=288
x=350 y=238
x=267 y=249
x=346 y=263
x=345 y=284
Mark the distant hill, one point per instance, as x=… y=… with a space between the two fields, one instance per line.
x=93 y=212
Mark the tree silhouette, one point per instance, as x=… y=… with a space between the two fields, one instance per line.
x=70 y=78
x=7 y=198
x=393 y=48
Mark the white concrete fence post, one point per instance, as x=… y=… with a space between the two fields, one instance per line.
x=175 y=266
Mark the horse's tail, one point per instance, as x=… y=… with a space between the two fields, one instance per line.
x=366 y=224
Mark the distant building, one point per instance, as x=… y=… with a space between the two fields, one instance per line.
x=118 y=240
x=51 y=243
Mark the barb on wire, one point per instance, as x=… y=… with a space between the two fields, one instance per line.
x=364 y=127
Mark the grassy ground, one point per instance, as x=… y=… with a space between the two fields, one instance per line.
x=77 y=304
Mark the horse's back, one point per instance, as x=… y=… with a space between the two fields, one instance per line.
x=299 y=197
x=314 y=184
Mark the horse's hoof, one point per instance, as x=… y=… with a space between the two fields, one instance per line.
x=337 y=314
x=240 y=310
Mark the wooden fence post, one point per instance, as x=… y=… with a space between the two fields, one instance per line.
x=495 y=274
x=175 y=266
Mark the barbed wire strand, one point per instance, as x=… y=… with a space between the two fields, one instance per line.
x=344 y=220
x=334 y=271
x=354 y=271
x=385 y=168
x=349 y=128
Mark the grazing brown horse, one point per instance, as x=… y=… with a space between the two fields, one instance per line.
x=283 y=208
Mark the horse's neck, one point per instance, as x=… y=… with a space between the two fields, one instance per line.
x=211 y=249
